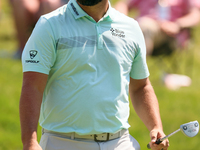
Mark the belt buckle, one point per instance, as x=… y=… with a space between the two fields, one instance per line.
x=96 y=140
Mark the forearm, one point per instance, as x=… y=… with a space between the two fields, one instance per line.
x=146 y=106
x=189 y=20
x=30 y=103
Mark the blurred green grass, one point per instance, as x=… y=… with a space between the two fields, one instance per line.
x=176 y=107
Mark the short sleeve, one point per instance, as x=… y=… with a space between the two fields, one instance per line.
x=139 y=68
x=39 y=53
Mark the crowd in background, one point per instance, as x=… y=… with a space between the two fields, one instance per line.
x=166 y=24
x=26 y=13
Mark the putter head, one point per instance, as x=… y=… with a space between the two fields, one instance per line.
x=190 y=129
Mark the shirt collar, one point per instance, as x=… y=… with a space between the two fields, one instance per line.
x=78 y=12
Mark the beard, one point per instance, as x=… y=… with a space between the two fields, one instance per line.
x=89 y=2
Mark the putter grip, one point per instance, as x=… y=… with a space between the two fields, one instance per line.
x=157 y=142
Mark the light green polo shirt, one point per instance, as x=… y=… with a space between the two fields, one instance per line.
x=89 y=66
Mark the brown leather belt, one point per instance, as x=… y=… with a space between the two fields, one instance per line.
x=94 y=137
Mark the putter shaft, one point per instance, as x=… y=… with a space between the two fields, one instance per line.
x=167 y=136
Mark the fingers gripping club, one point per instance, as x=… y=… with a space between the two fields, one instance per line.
x=189 y=129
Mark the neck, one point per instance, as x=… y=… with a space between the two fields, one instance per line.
x=97 y=11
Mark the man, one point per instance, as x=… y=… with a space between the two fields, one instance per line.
x=26 y=13
x=79 y=64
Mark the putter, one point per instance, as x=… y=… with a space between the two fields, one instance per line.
x=190 y=129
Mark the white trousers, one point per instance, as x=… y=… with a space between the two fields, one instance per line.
x=51 y=141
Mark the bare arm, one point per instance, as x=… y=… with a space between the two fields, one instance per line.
x=30 y=102
x=146 y=106
x=187 y=21
x=191 y=19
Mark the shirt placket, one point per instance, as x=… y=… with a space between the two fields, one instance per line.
x=99 y=36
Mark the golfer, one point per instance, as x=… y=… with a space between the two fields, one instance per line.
x=80 y=64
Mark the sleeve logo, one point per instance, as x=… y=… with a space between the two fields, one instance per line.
x=32 y=54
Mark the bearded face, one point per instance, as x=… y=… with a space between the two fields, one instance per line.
x=89 y=2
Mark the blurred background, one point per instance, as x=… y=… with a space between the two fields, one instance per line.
x=178 y=104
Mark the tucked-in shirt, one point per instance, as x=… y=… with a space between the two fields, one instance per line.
x=89 y=65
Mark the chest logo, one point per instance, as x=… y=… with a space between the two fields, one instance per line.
x=117 y=32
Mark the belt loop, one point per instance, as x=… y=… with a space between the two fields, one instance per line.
x=72 y=135
x=108 y=134
x=95 y=138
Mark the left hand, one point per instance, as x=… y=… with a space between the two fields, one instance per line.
x=156 y=134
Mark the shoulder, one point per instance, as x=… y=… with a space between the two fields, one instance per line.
x=124 y=20
x=120 y=16
x=57 y=15
x=127 y=24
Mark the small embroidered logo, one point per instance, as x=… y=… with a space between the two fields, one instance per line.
x=117 y=32
x=33 y=53
x=74 y=9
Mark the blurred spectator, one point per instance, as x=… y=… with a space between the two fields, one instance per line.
x=26 y=13
x=164 y=22
x=166 y=26
x=196 y=3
